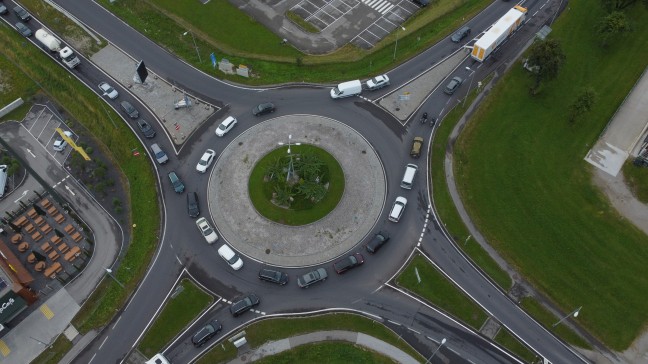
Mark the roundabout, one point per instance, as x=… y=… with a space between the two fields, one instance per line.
x=261 y=239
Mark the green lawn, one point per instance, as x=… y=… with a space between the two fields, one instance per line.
x=302 y=211
x=520 y=169
x=263 y=331
x=437 y=290
x=178 y=312
x=329 y=352
x=164 y=22
x=509 y=341
x=14 y=83
x=637 y=179
x=446 y=208
x=89 y=118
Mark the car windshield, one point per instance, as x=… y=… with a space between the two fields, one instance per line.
x=233 y=260
x=376 y=80
x=159 y=154
x=203 y=162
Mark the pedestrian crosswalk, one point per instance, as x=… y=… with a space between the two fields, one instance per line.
x=381 y=6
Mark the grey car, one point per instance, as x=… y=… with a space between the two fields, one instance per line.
x=3 y=9
x=453 y=85
x=130 y=109
x=21 y=13
x=23 y=29
x=460 y=34
x=310 y=278
x=146 y=129
x=207 y=332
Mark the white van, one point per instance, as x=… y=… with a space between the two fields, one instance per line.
x=158 y=359
x=408 y=177
x=3 y=179
x=346 y=89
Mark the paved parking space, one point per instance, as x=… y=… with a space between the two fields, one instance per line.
x=41 y=122
x=374 y=19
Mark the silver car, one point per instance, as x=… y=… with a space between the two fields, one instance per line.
x=108 y=90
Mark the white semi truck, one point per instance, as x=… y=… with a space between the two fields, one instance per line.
x=54 y=45
x=496 y=34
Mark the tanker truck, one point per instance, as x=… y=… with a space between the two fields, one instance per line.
x=54 y=45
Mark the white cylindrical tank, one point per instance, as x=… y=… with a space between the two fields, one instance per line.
x=48 y=40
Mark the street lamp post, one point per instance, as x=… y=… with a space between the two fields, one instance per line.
x=109 y=272
x=573 y=313
x=472 y=72
x=195 y=45
x=435 y=351
x=396 y=45
x=291 y=168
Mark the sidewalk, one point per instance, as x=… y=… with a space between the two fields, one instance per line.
x=370 y=342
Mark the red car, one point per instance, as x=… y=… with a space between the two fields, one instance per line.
x=348 y=262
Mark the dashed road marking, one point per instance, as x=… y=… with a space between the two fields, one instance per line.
x=411 y=329
x=394 y=322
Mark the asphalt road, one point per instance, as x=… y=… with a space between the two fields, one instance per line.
x=182 y=248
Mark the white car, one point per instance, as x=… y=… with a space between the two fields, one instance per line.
x=226 y=126
x=205 y=161
x=398 y=208
x=60 y=144
x=230 y=257
x=108 y=90
x=208 y=233
x=378 y=82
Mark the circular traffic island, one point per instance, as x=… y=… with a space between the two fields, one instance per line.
x=324 y=220
x=296 y=188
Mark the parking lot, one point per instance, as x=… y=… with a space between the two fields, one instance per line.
x=41 y=122
x=372 y=20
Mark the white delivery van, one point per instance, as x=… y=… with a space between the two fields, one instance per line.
x=346 y=89
x=158 y=359
x=3 y=179
x=408 y=177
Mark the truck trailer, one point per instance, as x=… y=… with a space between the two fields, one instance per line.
x=54 y=45
x=497 y=33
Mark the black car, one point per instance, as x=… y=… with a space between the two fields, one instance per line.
x=265 y=108
x=21 y=13
x=377 y=242
x=192 y=204
x=348 y=262
x=422 y=3
x=177 y=184
x=130 y=109
x=273 y=276
x=23 y=29
x=146 y=129
x=460 y=34
x=207 y=332
x=244 y=304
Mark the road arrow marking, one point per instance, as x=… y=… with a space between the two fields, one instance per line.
x=70 y=190
x=30 y=152
x=23 y=195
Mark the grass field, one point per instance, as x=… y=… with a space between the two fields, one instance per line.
x=509 y=341
x=437 y=290
x=520 y=169
x=165 y=22
x=637 y=180
x=279 y=328
x=546 y=318
x=334 y=352
x=89 y=117
x=176 y=315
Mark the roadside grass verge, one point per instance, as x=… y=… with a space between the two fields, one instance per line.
x=546 y=318
x=62 y=25
x=520 y=170
x=54 y=353
x=263 y=331
x=334 y=352
x=444 y=205
x=637 y=180
x=166 y=22
x=509 y=341
x=302 y=211
x=15 y=84
x=84 y=106
x=177 y=313
x=436 y=289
